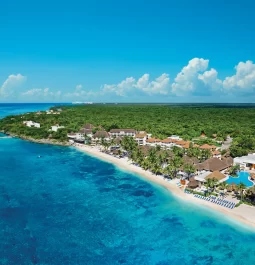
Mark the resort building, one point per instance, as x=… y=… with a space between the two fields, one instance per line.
x=208 y=147
x=99 y=136
x=245 y=162
x=153 y=142
x=32 y=124
x=175 y=137
x=211 y=165
x=228 y=160
x=76 y=137
x=87 y=130
x=141 y=138
x=168 y=143
x=56 y=127
x=122 y=132
x=52 y=112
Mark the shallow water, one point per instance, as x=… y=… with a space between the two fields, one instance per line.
x=69 y=208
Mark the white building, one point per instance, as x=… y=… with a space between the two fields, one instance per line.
x=52 y=112
x=168 y=143
x=175 y=137
x=141 y=138
x=32 y=124
x=76 y=137
x=56 y=127
x=245 y=162
x=122 y=132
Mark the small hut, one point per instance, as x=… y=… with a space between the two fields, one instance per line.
x=193 y=183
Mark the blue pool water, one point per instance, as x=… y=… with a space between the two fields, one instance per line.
x=243 y=177
x=69 y=208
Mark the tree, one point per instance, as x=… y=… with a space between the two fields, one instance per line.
x=234 y=169
x=208 y=183
x=240 y=187
x=223 y=186
x=211 y=183
x=178 y=151
x=169 y=171
x=145 y=164
x=206 y=153
x=156 y=168
x=175 y=164
x=189 y=169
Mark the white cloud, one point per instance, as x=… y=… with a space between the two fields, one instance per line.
x=243 y=80
x=160 y=85
x=210 y=79
x=10 y=83
x=80 y=94
x=39 y=92
x=186 y=81
x=32 y=92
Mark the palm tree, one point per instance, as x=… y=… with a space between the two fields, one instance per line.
x=250 y=194
x=176 y=163
x=211 y=183
x=177 y=151
x=145 y=164
x=156 y=168
x=158 y=147
x=241 y=187
x=233 y=170
x=208 y=183
x=169 y=171
x=214 y=183
x=152 y=156
x=223 y=185
x=206 y=153
x=189 y=169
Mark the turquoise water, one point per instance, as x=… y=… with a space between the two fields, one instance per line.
x=69 y=208
x=243 y=177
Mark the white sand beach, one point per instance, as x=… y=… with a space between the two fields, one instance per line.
x=244 y=213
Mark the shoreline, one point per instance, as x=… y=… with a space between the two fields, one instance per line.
x=38 y=141
x=244 y=214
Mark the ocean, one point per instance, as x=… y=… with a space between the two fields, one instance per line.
x=19 y=108
x=61 y=206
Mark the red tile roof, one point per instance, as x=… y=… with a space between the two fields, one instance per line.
x=207 y=146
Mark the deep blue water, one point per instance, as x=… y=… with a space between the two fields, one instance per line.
x=66 y=207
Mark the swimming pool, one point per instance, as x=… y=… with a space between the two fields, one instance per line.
x=243 y=177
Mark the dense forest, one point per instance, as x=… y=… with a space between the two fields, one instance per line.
x=160 y=120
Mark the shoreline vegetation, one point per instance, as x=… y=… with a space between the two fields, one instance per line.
x=157 y=164
x=244 y=213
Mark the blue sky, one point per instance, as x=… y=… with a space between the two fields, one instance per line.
x=127 y=51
